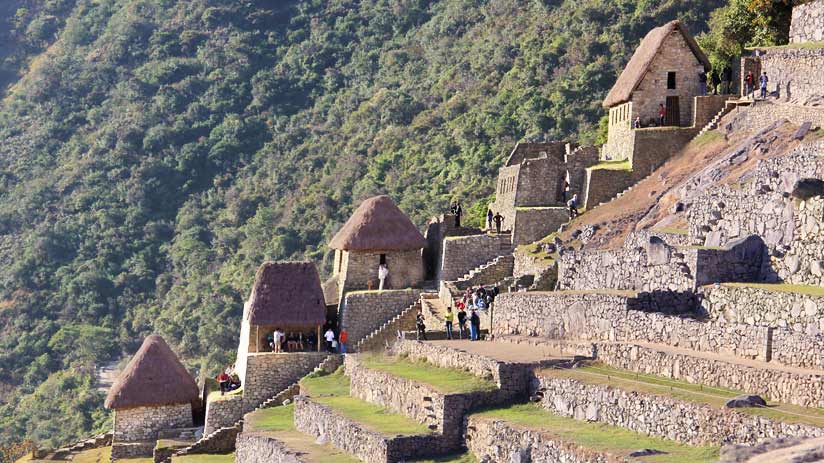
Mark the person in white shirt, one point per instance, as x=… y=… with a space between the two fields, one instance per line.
x=383 y=272
x=277 y=340
x=330 y=339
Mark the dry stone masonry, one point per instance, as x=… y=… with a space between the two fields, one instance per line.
x=363 y=312
x=808 y=22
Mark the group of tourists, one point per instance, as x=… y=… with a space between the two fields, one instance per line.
x=749 y=85
x=473 y=300
x=228 y=380
x=497 y=219
x=293 y=341
x=336 y=343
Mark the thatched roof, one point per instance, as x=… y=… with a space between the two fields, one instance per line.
x=378 y=225
x=153 y=377
x=643 y=57
x=287 y=294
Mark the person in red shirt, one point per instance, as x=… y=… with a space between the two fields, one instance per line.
x=223 y=379
x=662 y=115
x=343 y=336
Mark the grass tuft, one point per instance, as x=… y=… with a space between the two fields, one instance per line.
x=445 y=380
x=613 y=165
x=781 y=287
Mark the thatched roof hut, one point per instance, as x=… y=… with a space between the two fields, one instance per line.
x=287 y=294
x=378 y=225
x=643 y=57
x=153 y=377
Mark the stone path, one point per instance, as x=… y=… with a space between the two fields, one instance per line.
x=504 y=351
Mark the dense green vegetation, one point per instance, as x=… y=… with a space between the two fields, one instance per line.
x=154 y=152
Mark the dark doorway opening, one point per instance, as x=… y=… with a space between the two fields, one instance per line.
x=383 y=259
x=673 y=111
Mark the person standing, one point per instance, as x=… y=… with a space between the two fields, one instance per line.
x=489 y=219
x=449 y=317
x=474 y=326
x=343 y=336
x=458 y=213
x=702 y=83
x=461 y=320
x=749 y=85
x=636 y=125
x=565 y=191
x=573 y=206
x=421 y=326
x=499 y=219
x=662 y=114
x=329 y=336
x=223 y=380
x=383 y=274
x=726 y=78
x=277 y=340
x=763 y=80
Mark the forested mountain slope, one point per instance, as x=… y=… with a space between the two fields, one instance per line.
x=154 y=152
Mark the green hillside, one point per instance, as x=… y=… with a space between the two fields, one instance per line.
x=154 y=152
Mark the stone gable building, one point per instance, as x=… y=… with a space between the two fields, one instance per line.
x=378 y=233
x=154 y=393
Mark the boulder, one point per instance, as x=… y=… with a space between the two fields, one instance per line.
x=746 y=401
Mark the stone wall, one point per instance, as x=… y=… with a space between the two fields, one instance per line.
x=807 y=22
x=144 y=423
x=577 y=162
x=222 y=413
x=122 y=450
x=604 y=184
x=527 y=264
x=540 y=182
x=655 y=146
x=322 y=422
x=260 y=448
x=268 y=374
x=664 y=416
x=706 y=108
x=462 y=254
x=499 y=441
x=620 y=138
x=359 y=268
x=499 y=269
x=363 y=312
x=767 y=112
x=802 y=313
x=792 y=74
x=534 y=223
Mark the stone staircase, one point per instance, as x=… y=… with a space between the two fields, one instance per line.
x=728 y=107
x=491 y=272
x=398 y=323
x=223 y=439
x=65 y=453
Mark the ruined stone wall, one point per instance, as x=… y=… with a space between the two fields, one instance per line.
x=527 y=264
x=655 y=146
x=807 y=22
x=765 y=113
x=464 y=253
x=144 y=423
x=793 y=74
x=706 y=108
x=363 y=312
x=540 y=182
x=499 y=441
x=639 y=239
x=535 y=223
x=269 y=373
x=405 y=269
x=620 y=133
x=577 y=162
x=260 y=448
x=662 y=416
x=604 y=184
x=223 y=413
x=530 y=150
x=493 y=274
x=321 y=421
x=802 y=313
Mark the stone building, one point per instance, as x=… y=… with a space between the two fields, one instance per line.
x=153 y=394
x=378 y=233
x=285 y=295
x=530 y=192
x=664 y=70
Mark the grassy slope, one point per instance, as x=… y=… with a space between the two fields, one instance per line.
x=781 y=287
x=445 y=380
x=611 y=439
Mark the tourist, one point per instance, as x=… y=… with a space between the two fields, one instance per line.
x=383 y=273
x=713 y=80
x=763 y=80
x=277 y=340
x=702 y=83
x=565 y=191
x=329 y=336
x=421 y=326
x=637 y=125
x=499 y=219
x=449 y=317
x=474 y=326
x=489 y=217
x=461 y=319
x=223 y=381
x=458 y=213
x=573 y=207
x=726 y=79
x=662 y=114
x=311 y=342
x=343 y=337
x=749 y=85
x=234 y=381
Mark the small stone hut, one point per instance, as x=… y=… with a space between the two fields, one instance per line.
x=285 y=295
x=154 y=393
x=664 y=69
x=378 y=232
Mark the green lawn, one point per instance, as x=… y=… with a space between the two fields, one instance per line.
x=271 y=419
x=171 y=443
x=456 y=458
x=713 y=396
x=104 y=455
x=601 y=437
x=216 y=396
x=205 y=458
x=613 y=165
x=333 y=391
x=445 y=380
x=781 y=287
x=706 y=138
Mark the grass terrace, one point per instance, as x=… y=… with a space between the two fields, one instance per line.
x=682 y=390
x=455 y=458
x=333 y=391
x=205 y=458
x=780 y=287
x=803 y=46
x=600 y=437
x=613 y=165
x=445 y=380
x=104 y=455
x=216 y=396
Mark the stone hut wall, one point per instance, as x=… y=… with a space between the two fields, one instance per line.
x=358 y=268
x=267 y=374
x=535 y=223
x=464 y=253
x=223 y=413
x=662 y=416
x=620 y=135
x=363 y=312
x=540 y=182
x=144 y=423
x=504 y=204
x=807 y=22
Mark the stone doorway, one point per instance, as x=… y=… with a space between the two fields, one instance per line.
x=673 y=111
